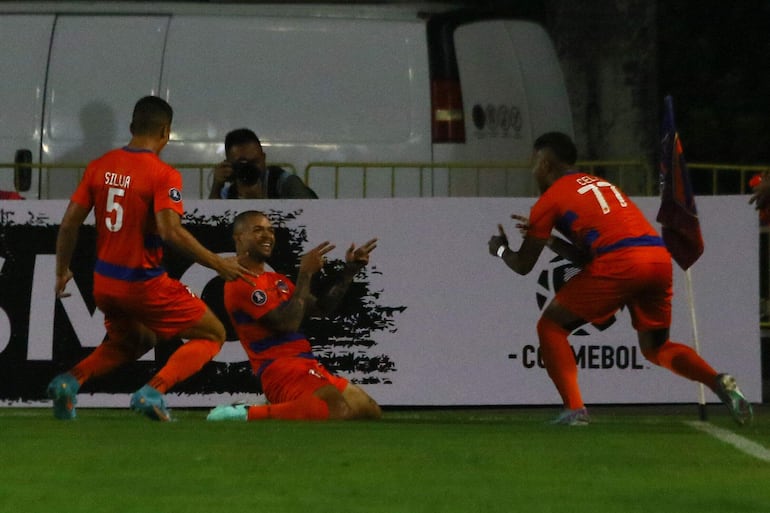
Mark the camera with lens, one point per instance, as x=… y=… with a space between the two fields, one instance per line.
x=246 y=172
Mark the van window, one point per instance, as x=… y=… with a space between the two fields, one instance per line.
x=513 y=94
x=303 y=80
x=24 y=41
x=100 y=66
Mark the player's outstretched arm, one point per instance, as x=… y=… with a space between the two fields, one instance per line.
x=566 y=249
x=356 y=258
x=561 y=247
x=173 y=233
x=521 y=261
x=66 y=240
x=289 y=316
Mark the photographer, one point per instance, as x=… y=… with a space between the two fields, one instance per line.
x=244 y=175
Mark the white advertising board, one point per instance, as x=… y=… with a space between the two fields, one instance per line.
x=441 y=321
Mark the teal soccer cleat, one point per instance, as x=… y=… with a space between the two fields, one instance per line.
x=740 y=408
x=63 y=389
x=229 y=412
x=150 y=402
x=578 y=417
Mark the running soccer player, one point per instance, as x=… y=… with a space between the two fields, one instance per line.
x=267 y=318
x=625 y=263
x=137 y=203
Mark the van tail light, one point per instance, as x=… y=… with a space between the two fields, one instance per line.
x=447 y=111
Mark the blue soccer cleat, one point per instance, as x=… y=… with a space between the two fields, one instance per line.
x=229 y=412
x=63 y=389
x=727 y=390
x=150 y=402
x=578 y=417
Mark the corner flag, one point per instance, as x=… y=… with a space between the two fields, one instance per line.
x=677 y=215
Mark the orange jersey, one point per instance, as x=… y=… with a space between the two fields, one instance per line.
x=592 y=213
x=246 y=305
x=126 y=187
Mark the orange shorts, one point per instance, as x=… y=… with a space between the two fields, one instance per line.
x=162 y=304
x=289 y=378
x=638 y=278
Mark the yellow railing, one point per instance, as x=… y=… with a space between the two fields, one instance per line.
x=636 y=177
x=392 y=179
x=726 y=178
x=421 y=179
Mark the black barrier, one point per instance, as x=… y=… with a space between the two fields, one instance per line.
x=343 y=342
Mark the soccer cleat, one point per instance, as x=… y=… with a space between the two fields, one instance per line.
x=63 y=389
x=578 y=417
x=149 y=401
x=229 y=412
x=727 y=390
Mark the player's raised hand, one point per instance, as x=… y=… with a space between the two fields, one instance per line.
x=522 y=225
x=314 y=260
x=498 y=241
x=358 y=257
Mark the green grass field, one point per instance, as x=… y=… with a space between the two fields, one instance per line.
x=628 y=460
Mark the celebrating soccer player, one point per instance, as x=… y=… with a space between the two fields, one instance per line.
x=267 y=318
x=624 y=263
x=137 y=202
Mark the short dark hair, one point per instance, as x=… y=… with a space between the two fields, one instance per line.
x=243 y=216
x=151 y=115
x=560 y=144
x=240 y=136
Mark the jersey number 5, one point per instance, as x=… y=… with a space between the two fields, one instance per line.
x=114 y=206
x=596 y=188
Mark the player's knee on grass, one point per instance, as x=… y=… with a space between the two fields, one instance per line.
x=338 y=406
x=362 y=406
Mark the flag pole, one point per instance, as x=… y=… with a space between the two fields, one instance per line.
x=679 y=217
x=696 y=341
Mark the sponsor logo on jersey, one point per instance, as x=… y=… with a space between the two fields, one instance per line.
x=282 y=286
x=259 y=297
x=175 y=195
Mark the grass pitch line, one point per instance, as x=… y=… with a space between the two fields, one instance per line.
x=742 y=444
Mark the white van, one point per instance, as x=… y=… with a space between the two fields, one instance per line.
x=318 y=83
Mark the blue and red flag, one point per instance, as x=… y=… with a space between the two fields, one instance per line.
x=677 y=215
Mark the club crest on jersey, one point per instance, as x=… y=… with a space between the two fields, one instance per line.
x=259 y=297
x=175 y=195
x=282 y=287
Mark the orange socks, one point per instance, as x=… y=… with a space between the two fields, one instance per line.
x=108 y=356
x=684 y=361
x=307 y=407
x=186 y=361
x=559 y=361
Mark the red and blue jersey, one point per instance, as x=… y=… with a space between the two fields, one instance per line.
x=126 y=187
x=593 y=214
x=247 y=304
